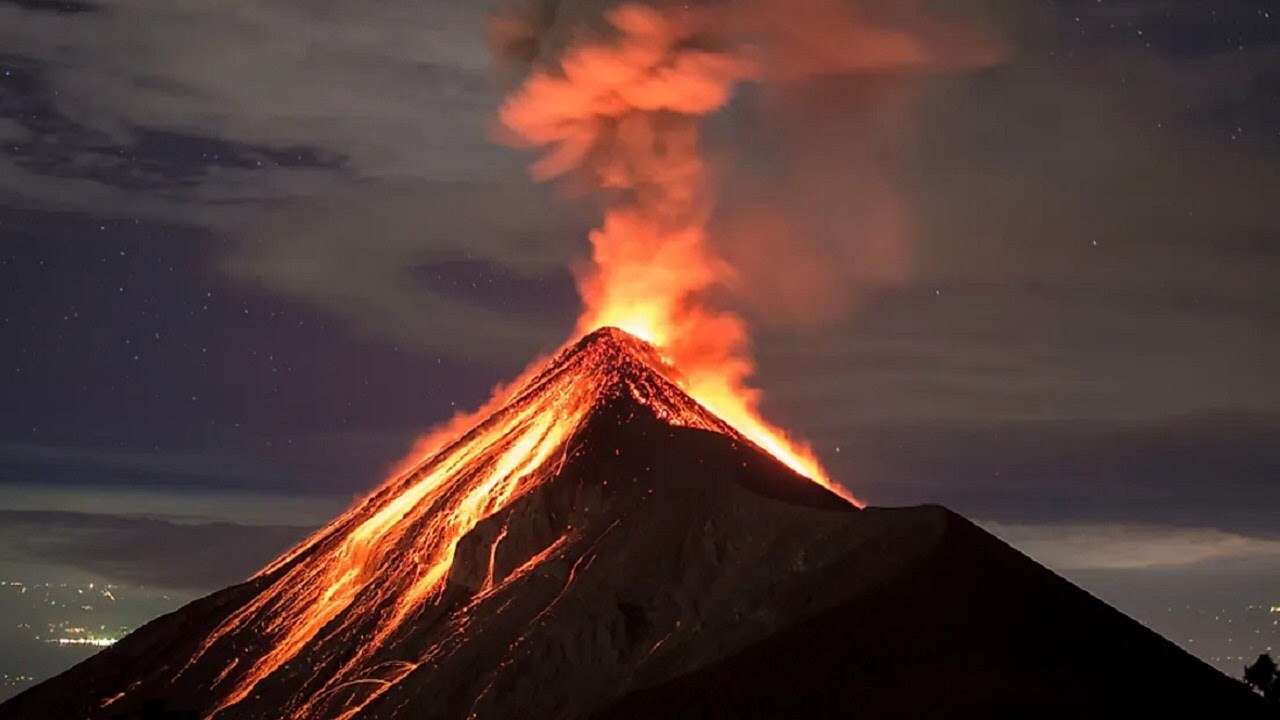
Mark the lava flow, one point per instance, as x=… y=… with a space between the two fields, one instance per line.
x=388 y=558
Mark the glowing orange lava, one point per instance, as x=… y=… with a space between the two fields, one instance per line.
x=647 y=286
x=390 y=555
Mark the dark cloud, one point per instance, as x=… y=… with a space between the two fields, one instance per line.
x=29 y=459
x=62 y=7
x=1070 y=547
x=49 y=143
x=368 y=256
x=378 y=112
x=143 y=551
x=177 y=504
x=1213 y=470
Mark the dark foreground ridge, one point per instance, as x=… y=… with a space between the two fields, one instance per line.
x=655 y=565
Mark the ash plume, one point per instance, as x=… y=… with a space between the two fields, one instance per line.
x=615 y=95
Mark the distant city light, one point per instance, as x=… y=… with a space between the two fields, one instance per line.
x=94 y=641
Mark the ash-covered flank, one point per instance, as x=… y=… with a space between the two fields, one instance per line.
x=603 y=546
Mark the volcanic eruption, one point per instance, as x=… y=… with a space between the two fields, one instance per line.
x=604 y=546
x=618 y=530
x=622 y=116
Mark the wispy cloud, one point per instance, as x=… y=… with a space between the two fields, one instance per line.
x=11 y=131
x=141 y=551
x=179 y=506
x=1131 y=547
x=336 y=147
x=97 y=461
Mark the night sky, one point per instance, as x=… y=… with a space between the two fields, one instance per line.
x=249 y=250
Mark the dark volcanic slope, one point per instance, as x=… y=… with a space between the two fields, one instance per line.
x=969 y=628
x=653 y=564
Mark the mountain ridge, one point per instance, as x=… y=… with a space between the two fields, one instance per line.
x=602 y=546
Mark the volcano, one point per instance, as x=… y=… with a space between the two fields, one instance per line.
x=603 y=546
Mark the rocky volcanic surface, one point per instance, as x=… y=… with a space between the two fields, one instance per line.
x=660 y=570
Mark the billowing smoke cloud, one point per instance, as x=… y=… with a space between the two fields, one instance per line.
x=804 y=214
x=809 y=211
x=616 y=95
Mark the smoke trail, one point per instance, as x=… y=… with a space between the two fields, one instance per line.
x=614 y=96
x=621 y=116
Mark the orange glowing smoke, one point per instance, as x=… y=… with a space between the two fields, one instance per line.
x=624 y=115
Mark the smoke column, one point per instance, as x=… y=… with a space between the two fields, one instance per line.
x=615 y=102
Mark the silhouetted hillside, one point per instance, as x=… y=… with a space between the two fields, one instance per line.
x=603 y=546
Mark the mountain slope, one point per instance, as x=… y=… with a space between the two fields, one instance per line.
x=970 y=629
x=603 y=544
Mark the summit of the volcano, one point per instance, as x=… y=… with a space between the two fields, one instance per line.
x=609 y=364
